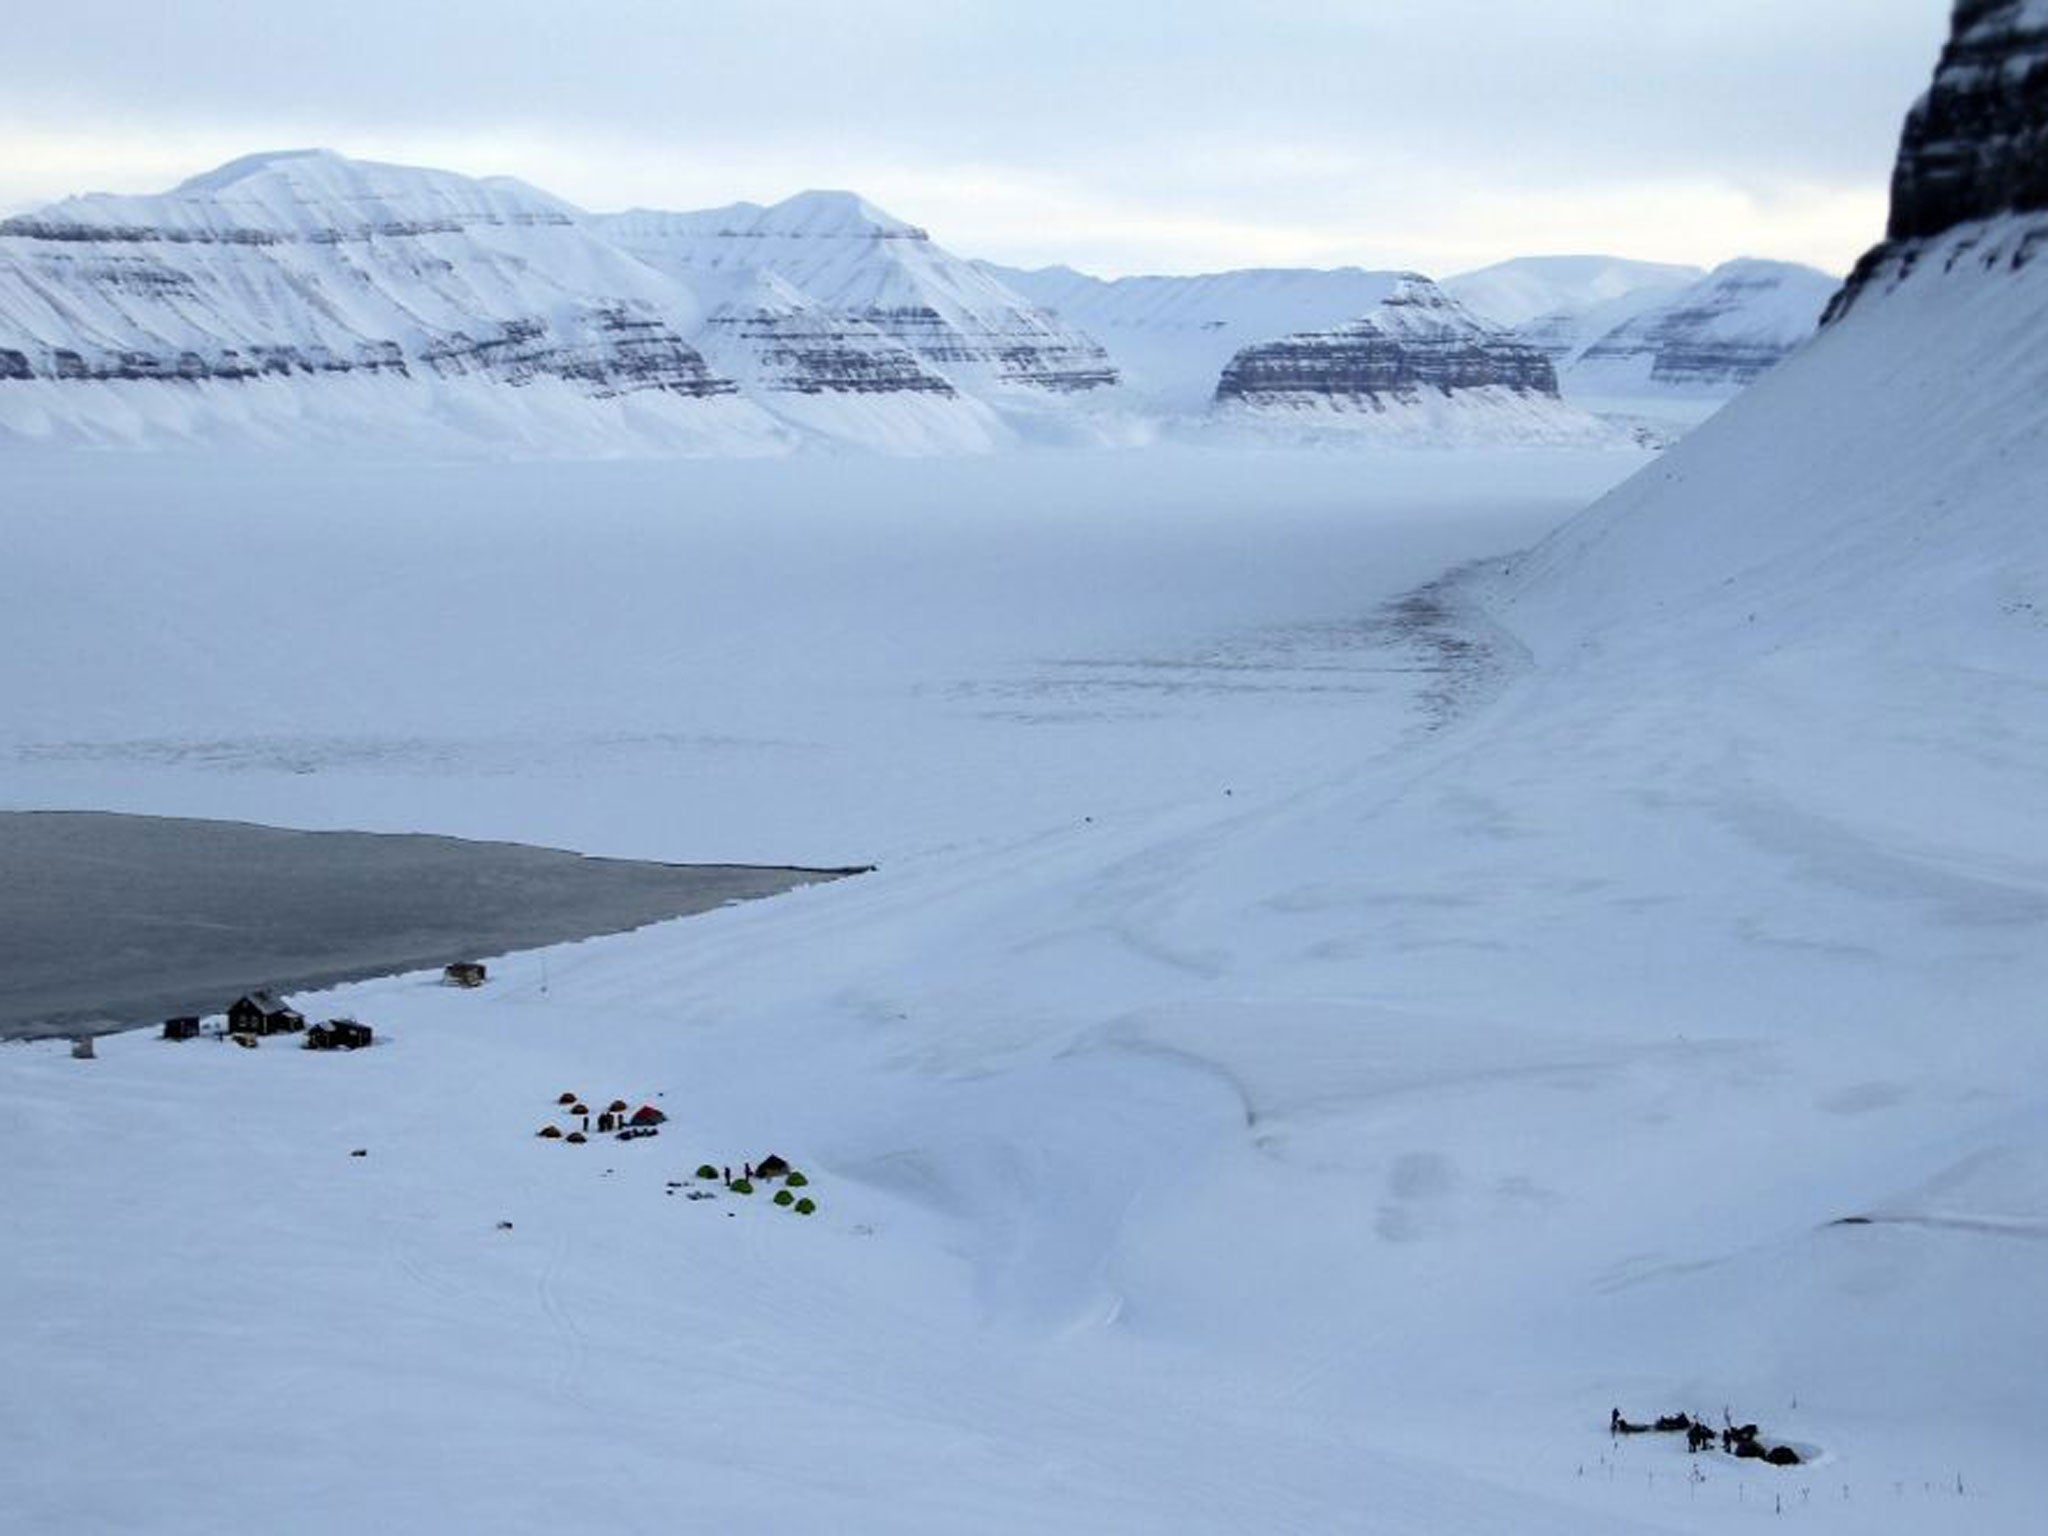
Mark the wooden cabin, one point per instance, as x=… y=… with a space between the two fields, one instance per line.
x=464 y=973
x=263 y=1013
x=183 y=1028
x=339 y=1035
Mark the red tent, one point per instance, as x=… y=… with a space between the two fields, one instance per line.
x=647 y=1114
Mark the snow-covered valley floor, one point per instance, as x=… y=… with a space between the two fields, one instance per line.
x=1298 y=1064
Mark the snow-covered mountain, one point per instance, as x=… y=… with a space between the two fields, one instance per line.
x=1170 y=337
x=1562 y=305
x=1385 y=353
x=1415 y=351
x=306 y=294
x=1714 y=338
x=288 y=294
x=303 y=297
x=1527 y=289
x=878 y=273
x=1653 y=346
x=308 y=264
x=833 y=373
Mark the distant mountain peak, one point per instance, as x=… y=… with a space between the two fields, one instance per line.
x=1517 y=291
x=301 y=194
x=815 y=215
x=221 y=177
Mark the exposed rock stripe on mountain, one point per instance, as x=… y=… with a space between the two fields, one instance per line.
x=1655 y=347
x=866 y=268
x=1291 y=353
x=297 y=295
x=309 y=264
x=1721 y=334
x=1415 y=339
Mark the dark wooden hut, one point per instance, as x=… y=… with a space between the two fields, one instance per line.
x=183 y=1028
x=264 y=1013
x=339 y=1035
x=465 y=973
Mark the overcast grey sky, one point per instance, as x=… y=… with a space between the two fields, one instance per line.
x=1116 y=135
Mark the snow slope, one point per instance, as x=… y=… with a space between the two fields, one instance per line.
x=1021 y=711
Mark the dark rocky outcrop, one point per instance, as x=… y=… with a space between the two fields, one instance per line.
x=1416 y=341
x=1976 y=145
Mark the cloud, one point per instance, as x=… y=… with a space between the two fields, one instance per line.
x=1133 y=134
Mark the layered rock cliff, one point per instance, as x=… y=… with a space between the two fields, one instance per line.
x=1976 y=144
x=1416 y=341
x=1974 y=148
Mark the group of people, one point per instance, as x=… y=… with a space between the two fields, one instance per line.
x=1739 y=1440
